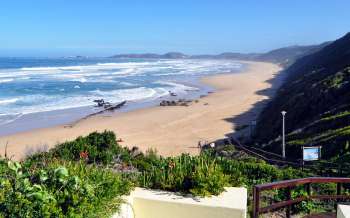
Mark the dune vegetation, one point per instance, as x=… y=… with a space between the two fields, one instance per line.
x=91 y=174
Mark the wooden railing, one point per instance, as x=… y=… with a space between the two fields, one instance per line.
x=269 y=157
x=289 y=185
x=337 y=169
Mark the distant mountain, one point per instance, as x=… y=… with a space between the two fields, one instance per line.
x=316 y=96
x=284 y=56
x=228 y=55
x=170 y=55
x=175 y=55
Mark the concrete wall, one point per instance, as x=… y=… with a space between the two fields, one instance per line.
x=144 y=203
x=343 y=211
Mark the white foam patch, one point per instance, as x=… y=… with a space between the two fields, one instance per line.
x=8 y=118
x=127 y=94
x=6 y=80
x=127 y=84
x=8 y=101
x=177 y=87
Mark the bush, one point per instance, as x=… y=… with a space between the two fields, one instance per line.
x=94 y=148
x=65 y=181
x=199 y=175
x=205 y=174
x=59 y=189
x=208 y=179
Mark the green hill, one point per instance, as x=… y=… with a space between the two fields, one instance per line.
x=316 y=96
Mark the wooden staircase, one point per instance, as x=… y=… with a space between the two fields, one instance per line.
x=322 y=215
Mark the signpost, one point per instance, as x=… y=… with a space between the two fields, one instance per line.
x=283 y=134
x=311 y=153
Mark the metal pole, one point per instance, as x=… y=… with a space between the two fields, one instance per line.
x=302 y=160
x=283 y=135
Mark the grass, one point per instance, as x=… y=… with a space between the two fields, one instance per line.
x=337 y=80
x=322 y=137
x=337 y=116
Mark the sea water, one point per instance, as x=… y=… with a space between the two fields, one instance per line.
x=40 y=92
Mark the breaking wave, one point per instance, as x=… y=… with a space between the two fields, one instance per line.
x=46 y=88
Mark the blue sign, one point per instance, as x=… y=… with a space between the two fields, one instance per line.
x=311 y=153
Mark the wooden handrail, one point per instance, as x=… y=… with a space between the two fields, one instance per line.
x=277 y=159
x=249 y=150
x=289 y=184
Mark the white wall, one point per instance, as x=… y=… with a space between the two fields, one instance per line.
x=144 y=203
x=343 y=211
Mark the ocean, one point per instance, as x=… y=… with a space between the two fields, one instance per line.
x=41 y=92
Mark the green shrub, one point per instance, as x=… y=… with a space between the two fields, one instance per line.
x=58 y=189
x=199 y=175
x=65 y=182
x=94 y=148
x=208 y=179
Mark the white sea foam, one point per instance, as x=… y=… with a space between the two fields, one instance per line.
x=6 y=80
x=82 y=80
x=8 y=118
x=8 y=101
x=128 y=80
x=126 y=94
x=177 y=87
x=127 y=84
x=43 y=103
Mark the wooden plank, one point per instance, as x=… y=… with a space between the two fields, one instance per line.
x=256 y=203
x=289 y=197
x=292 y=183
x=322 y=215
x=281 y=204
x=295 y=182
x=330 y=197
x=283 y=184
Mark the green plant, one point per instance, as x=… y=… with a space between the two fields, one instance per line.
x=208 y=179
x=72 y=179
x=94 y=148
x=58 y=189
x=199 y=175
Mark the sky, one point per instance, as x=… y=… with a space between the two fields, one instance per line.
x=107 y=27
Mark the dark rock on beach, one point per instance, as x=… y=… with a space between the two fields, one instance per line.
x=180 y=102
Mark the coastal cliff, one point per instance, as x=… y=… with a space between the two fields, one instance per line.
x=316 y=96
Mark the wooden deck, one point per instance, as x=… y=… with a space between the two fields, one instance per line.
x=321 y=215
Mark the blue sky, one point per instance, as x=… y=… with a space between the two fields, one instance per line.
x=106 y=27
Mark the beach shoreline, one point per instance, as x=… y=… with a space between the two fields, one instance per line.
x=171 y=130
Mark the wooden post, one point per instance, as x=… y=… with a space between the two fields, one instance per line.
x=289 y=197
x=308 y=191
x=339 y=188
x=339 y=185
x=302 y=159
x=256 y=202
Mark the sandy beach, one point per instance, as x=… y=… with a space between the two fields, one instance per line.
x=170 y=130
